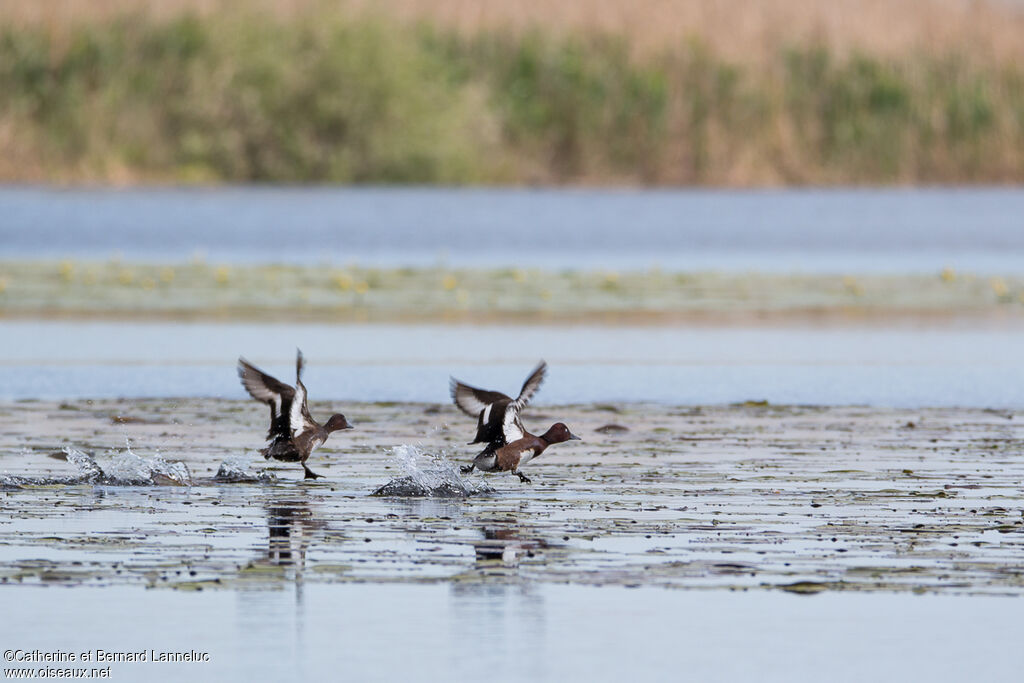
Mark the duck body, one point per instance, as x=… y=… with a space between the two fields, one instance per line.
x=293 y=433
x=497 y=415
x=292 y=449
x=508 y=445
x=512 y=456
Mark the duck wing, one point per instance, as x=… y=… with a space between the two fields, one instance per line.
x=507 y=419
x=299 y=419
x=531 y=385
x=473 y=401
x=497 y=415
x=498 y=424
x=266 y=389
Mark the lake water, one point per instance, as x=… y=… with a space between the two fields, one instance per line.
x=669 y=551
x=380 y=632
x=676 y=365
x=897 y=230
x=875 y=230
x=507 y=626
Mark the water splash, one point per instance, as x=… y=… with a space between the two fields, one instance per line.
x=240 y=470
x=88 y=470
x=129 y=469
x=428 y=474
x=125 y=469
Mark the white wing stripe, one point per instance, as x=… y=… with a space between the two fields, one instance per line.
x=510 y=424
x=295 y=421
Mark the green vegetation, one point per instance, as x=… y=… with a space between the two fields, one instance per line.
x=355 y=293
x=354 y=99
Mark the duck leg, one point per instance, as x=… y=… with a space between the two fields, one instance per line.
x=310 y=474
x=522 y=477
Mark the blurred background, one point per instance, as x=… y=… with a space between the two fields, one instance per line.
x=788 y=200
x=596 y=92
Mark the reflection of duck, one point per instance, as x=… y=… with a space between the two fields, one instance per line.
x=509 y=445
x=279 y=543
x=293 y=434
x=509 y=615
x=290 y=529
x=506 y=545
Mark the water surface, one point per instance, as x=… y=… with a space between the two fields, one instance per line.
x=675 y=365
x=380 y=632
x=737 y=543
x=870 y=230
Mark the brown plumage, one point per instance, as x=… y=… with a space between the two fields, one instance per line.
x=497 y=415
x=293 y=433
x=509 y=445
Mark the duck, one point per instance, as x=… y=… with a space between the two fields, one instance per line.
x=508 y=445
x=293 y=433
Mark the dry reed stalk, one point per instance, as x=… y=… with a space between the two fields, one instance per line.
x=742 y=30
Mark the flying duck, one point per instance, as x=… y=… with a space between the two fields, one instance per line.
x=508 y=445
x=293 y=433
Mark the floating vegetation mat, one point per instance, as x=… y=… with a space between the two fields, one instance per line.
x=749 y=496
x=116 y=289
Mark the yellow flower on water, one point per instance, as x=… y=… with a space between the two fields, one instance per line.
x=947 y=274
x=148 y=283
x=610 y=281
x=222 y=275
x=545 y=294
x=449 y=282
x=852 y=286
x=167 y=275
x=519 y=275
x=343 y=281
x=67 y=271
x=126 y=277
x=362 y=287
x=998 y=285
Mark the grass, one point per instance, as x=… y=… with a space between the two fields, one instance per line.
x=354 y=97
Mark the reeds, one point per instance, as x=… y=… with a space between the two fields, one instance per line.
x=308 y=93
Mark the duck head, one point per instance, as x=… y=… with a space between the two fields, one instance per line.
x=558 y=433
x=336 y=423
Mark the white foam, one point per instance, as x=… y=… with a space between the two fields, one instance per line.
x=433 y=472
x=241 y=468
x=129 y=469
x=87 y=467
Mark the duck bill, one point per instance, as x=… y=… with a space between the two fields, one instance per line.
x=573 y=437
